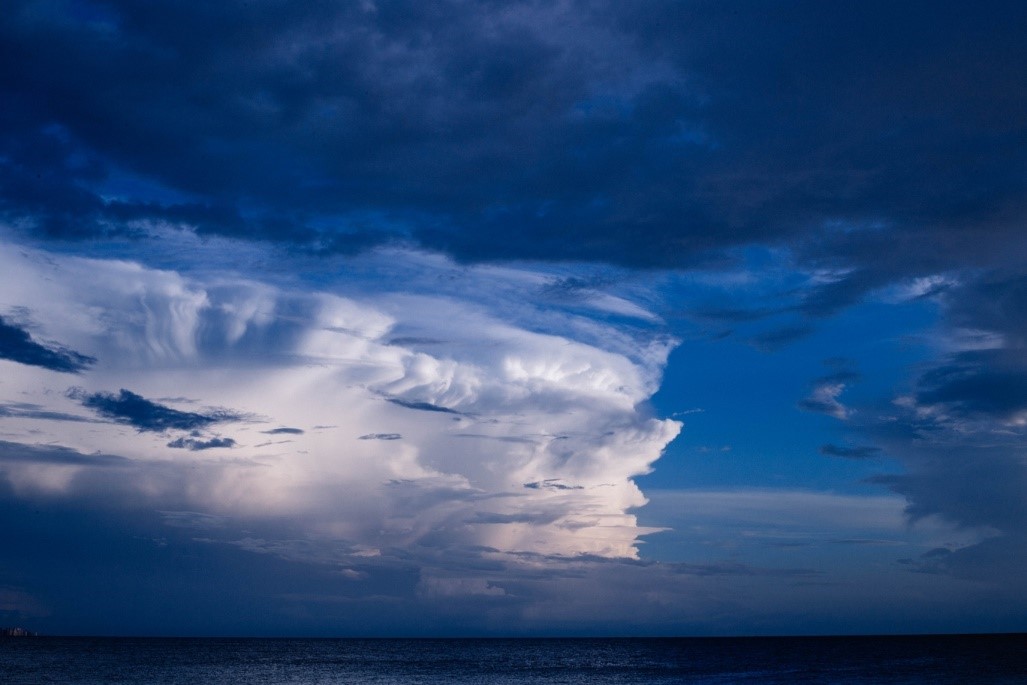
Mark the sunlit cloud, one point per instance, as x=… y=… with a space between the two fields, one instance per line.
x=559 y=433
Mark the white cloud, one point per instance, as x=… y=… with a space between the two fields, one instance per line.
x=918 y=288
x=485 y=404
x=824 y=399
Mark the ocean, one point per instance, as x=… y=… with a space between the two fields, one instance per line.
x=192 y=661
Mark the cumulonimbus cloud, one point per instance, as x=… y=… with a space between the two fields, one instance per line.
x=559 y=433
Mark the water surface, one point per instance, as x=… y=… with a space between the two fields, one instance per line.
x=163 y=661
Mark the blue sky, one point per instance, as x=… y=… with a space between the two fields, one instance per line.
x=512 y=318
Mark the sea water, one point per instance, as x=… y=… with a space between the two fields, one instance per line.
x=132 y=661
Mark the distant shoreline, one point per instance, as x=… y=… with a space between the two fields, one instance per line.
x=21 y=632
x=17 y=632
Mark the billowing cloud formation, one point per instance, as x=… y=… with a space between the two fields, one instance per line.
x=557 y=414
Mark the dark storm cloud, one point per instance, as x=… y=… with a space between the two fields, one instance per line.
x=990 y=383
x=891 y=119
x=146 y=415
x=997 y=301
x=959 y=433
x=1001 y=558
x=197 y=444
x=979 y=391
x=646 y=134
x=963 y=461
x=18 y=346
x=974 y=477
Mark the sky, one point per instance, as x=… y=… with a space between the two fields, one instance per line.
x=438 y=317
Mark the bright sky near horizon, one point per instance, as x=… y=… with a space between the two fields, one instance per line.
x=457 y=318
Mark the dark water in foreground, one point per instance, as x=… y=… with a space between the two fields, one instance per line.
x=948 y=659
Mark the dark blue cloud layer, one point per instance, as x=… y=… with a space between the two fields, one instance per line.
x=655 y=133
x=146 y=415
x=988 y=383
x=17 y=345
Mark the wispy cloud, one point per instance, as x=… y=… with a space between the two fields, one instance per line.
x=823 y=398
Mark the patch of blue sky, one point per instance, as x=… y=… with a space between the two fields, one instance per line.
x=751 y=431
